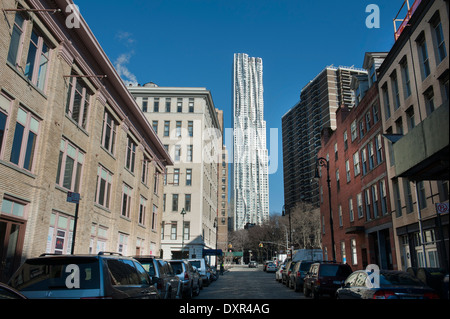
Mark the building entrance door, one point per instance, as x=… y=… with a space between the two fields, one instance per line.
x=11 y=242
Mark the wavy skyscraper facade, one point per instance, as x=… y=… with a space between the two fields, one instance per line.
x=250 y=184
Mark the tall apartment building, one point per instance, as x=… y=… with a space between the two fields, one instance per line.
x=186 y=121
x=360 y=204
x=250 y=182
x=65 y=127
x=222 y=200
x=302 y=126
x=414 y=89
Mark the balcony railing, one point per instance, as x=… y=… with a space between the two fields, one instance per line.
x=404 y=21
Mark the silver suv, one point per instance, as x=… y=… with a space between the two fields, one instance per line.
x=102 y=276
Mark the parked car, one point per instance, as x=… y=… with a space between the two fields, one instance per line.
x=287 y=272
x=7 y=292
x=271 y=267
x=252 y=264
x=279 y=272
x=163 y=277
x=325 y=278
x=188 y=276
x=393 y=284
x=203 y=269
x=298 y=274
x=106 y=275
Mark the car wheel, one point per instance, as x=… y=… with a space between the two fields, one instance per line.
x=189 y=293
x=315 y=293
x=295 y=286
x=306 y=291
x=197 y=291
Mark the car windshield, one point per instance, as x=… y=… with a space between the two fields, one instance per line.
x=148 y=266
x=52 y=273
x=177 y=267
x=399 y=279
x=333 y=271
x=305 y=266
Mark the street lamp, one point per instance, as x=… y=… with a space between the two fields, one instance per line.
x=321 y=161
x=183 y=212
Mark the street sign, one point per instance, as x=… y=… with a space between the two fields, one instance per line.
x=73 y=197
x=212 y=252
x=442 y=208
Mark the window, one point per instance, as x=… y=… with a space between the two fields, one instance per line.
x=367 y=202
x=131 y=154
x=422 y=197
x=180 y=105
x=335 y=151
x=188 y=177
x=375 y=200
x=354 y=251
x=337 y=179
x=360 y=205
x=70 y=166
x=173 y=230
x=103 y=191
x=191 y=128
x=364 y=161
x=340 y=216
x=78 y=100
x=166 y=128
x=383 y=196
x=126 y=200
x=398 y=203
x=37 y=61
x=168 y=101
x=345 y=140
x=25 y=139
x=343 y=255
x=145 y=104
x=356 y=166
x=186 y=230
x=351 y=213
x=13 y=208
x=429 y=100
x=408 y=196
x=347 y=170
x=145 y=170
x=177 y=153
x=122 y=245
x=178 y=129
x=368 y=121
x=189 y=153
x=387 y=106
x=405 y=78
x=371 y=156
x=164 y=202
x=176 y=176
x=361 y=129
x=376 y=116
x=191 y=105
x=156 y=183
x=410 y=122
x=155 y=126
x=155 y=218
x=142 y=212
x=353 y=130
x=109 y=132
x=423 y=55
x=156 y=104
x=187 y=202
x=5 y=106
x=395 y=90
x=59 y=239
x=439 y=39
x=174 y=202
x=378 y=146
x=16 y=39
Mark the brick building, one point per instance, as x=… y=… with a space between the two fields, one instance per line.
x=68 y=124
x=357 y=166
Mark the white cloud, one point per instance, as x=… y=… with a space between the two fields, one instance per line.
x=120 y=64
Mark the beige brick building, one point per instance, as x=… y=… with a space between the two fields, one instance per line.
x=68 y=124
x=185 y=120
x=414 y=101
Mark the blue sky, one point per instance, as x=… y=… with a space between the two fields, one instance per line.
x=190 y=43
